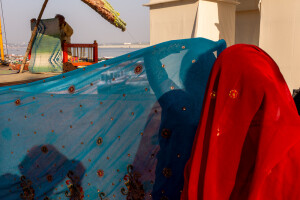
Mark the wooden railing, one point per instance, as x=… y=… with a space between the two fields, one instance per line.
x=80 y=54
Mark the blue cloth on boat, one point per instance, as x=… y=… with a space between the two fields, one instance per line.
x=119 y=129
x=46 y=52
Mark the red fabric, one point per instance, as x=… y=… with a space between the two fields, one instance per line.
x=247 y=144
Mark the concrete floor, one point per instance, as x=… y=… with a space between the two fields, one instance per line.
x=17 y=78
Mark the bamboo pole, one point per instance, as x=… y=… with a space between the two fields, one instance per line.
x=1 y=43
x=32 y=36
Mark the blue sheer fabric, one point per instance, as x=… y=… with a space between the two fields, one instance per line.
x=120 y=129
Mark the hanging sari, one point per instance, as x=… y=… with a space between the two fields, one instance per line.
x=120 y=129
x=247 y=144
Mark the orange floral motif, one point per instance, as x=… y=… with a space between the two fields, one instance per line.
x=71 y=89
x=99 y=141
x=18 y=102
x=75 y=190
x=100 y=173
x=28 y=191
x=166 y=133
x=135 y=189
x=138 y=69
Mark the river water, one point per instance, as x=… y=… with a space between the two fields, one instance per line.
x=102 y=52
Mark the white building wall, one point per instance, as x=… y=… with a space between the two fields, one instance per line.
x=280 y=36
x=179 y=19
x=247 y=22
x=172 y=19
x=216 y=20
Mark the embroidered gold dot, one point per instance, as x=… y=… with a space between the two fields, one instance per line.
x=172 y=87
x=167 y=172
x=233 y=94
x=213 y=94
x=193 y=61
x=218 y=132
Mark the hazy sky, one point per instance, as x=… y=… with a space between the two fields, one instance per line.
x=87 y=24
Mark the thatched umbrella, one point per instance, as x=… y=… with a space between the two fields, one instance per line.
x=100 y=6
x=107 y=12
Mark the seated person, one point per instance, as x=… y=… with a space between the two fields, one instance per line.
x=66 y=31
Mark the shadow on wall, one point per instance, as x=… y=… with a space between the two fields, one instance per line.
x=43 y=169
x=226 y=25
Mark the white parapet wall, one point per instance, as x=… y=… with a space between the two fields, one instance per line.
x=280 y=36
x=247 y=22
x=172 y=19
x=179 y=19
x=216 y=20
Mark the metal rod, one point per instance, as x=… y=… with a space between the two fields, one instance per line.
x=33 y=35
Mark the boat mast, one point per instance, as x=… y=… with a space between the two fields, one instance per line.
x=1 y=42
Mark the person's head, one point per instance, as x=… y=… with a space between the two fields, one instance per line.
x=33 y=20
x=60 y=18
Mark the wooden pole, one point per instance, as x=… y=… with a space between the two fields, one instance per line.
x=1 y=43
x=32 y=36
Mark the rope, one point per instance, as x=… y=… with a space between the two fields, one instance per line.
x=4 y=27
x=134 y=40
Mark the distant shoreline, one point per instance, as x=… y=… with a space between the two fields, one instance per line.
x=129 y=46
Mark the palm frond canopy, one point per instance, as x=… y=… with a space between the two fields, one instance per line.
x=107 y=12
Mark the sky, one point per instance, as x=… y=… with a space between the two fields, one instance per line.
x=86 y=23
